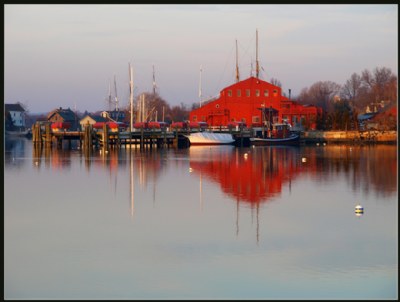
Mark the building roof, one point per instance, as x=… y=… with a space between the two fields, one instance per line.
x=96 y=118
x=13 y=107
x=66 y=114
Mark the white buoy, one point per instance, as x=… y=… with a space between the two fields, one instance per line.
x=245 y=155
x=303 y=159
x=359 y=210
x=36 y=163
x=324 y=144
x=190 y=170
x=317 y=144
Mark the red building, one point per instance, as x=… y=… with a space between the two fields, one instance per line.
x=253 y=101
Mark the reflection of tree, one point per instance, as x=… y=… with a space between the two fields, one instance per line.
x=371 y=168
x=256 y=175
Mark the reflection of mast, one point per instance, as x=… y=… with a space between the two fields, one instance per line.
x=201 y=194
x=132 y=183
x=237 y=216
x=258 y=225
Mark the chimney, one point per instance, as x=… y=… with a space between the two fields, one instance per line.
x=290 y=90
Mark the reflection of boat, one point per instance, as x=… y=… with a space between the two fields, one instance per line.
x=279 y=134
x=210 y=138
x=19 y=132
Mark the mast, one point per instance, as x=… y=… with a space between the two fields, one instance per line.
x=131 y=93
x=116 y=98
x=237 y=65
x=109 y=97
x=154 y=82
x=200 y=92
x=257 y=65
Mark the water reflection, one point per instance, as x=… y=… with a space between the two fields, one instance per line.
x=250 y=175
x=247 y=175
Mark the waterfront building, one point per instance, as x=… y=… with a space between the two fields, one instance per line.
x=61 y=115
x=17 y=114
x=252 y=101
x=92 y=119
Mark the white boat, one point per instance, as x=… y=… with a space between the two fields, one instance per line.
x=210 y=138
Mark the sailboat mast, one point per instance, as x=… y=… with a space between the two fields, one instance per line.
x=237 y=65
x=257 y=65
x=109 y=96
x=131 y=93
x=200 y=92
x=116 y=98
x=154 y=82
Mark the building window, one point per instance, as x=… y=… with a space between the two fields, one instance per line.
x=256 y=119
x=239 y=93
x=266 y=92
x=247 y=92
x=194 y=118
x=229 y=92
x=203 y=118
x=217 y=106
x=257 y=92
x=275 y=92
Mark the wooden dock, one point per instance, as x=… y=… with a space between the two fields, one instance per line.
x=88 y=138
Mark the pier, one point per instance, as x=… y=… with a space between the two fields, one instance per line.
x=88 y=138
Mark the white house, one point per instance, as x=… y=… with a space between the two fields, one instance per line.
x=17 y=113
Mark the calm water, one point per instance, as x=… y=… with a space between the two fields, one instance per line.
x=204 y=222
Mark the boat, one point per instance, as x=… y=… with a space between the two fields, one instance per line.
x=278 y=134
x=210 y=138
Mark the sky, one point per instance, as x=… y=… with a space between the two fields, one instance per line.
x=68 y=55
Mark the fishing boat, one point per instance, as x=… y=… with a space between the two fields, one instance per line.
x=210 y=138
x=277 y=134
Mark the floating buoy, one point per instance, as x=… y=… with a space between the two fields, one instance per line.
x=36 y=163
x=245 y=155
x=359 y=209
x=317 y=144
x=303 y=159
x=324 y=144
x=190 y=170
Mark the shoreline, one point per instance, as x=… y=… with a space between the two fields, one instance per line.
x=352 y=137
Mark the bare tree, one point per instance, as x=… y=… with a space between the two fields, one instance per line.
x=351 y=88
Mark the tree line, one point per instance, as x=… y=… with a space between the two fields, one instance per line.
x=343 y=103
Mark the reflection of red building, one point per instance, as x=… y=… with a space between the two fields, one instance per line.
x=243 y=101
x=250 y=176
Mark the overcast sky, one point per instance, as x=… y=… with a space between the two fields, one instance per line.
x=67 y=55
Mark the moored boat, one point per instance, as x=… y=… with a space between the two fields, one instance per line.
x=279 y=134
x=210 y=138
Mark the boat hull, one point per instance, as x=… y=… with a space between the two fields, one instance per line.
x=209 y=138
x=293 y=139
